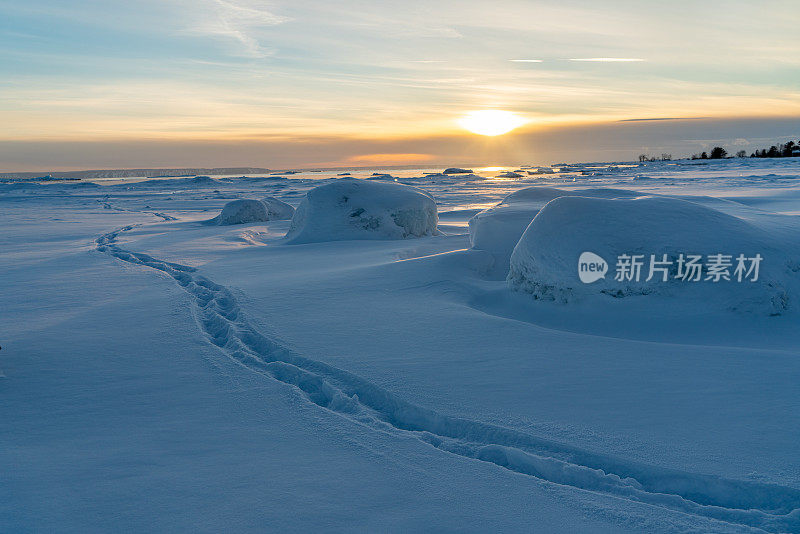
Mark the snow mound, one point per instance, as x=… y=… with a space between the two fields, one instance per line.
x=457 y=170
x=358 y=209
x=277 y=210
x=545 y=262
x=509 y=174
x=241 y=212
x=497 y=229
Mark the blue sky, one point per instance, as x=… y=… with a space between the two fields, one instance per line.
x=364 y=75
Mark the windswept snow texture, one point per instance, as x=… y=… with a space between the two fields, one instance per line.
x=160 y=374
x=545 y=261
x=358 y=209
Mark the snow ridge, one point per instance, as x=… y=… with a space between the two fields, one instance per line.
x=770 y=507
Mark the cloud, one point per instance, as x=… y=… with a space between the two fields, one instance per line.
x=664 y=119
x=576 y=142
x=239 y=22
x=608 y=59
x=525 y=60
x=389 y=159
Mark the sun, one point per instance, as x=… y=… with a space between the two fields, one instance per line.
x=490 y=122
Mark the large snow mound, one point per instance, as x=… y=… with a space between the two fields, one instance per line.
x=277 y=209
x=545 y=262
x=358 y=209
x=497 y=229
x=241 y=212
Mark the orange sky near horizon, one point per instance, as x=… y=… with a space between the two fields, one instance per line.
x=340 y=83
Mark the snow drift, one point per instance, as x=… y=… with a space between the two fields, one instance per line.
x=497 y=229
x=358 y=209
x=545 y=261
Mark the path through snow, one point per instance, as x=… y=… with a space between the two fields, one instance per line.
x=770 y=507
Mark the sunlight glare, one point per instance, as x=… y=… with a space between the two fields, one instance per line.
x=491 y=122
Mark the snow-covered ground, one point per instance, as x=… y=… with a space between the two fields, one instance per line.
x=378 y=374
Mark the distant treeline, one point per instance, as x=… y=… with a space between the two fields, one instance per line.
x=784 y=150
x=717 y=153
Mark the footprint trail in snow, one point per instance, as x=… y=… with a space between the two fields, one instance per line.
x=770 y=507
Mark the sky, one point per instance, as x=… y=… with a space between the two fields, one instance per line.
x=172 y=83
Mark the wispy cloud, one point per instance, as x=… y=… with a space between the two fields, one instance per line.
x=239 y=22
x=182 y=69
x=390 y=158
x=665 y=119
x=608 y=59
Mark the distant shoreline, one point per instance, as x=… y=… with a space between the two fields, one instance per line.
x=231 y=171
x=180 y=172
